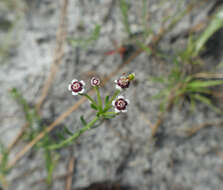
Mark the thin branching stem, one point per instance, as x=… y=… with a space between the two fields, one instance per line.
x=75 y=135
x=99 y=98
x=90 y=99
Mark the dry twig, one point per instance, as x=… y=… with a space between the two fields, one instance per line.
x=59 y=52
x=193 y=130
x=70 y=171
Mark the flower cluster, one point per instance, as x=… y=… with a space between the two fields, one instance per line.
x=118 y=102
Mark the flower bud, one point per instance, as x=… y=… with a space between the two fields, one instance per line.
x=95 y=81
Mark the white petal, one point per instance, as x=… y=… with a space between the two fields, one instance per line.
x=124 y=111
x=81 y=92
x=127 y=100
x=74 y=80
x=119 y=97
x=115 y=81
x=117 y=111
x=113 y=102
x=118 y=87
x=69 y=87
x=74 y=93
x=82 y=82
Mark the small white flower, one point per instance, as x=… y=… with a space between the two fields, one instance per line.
x=120 y=104
x=77 y=87
x=122 y=83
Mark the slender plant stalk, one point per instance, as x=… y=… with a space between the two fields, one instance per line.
x=90 y=99
x=99 y=98
x=75 y=135
x=110 y=113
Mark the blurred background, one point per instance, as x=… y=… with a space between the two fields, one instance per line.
x=171 y=136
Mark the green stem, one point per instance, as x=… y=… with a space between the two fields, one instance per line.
x=110 y=113
x=90 y=99
x=99 y=99
x=108 y=105
x=75 y=135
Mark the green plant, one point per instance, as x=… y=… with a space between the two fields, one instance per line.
x=124 y=10
x=215 y=24
x=35 y=126
x=118 y=102
x=181 y=82
x=180 y=85
x=3 y=165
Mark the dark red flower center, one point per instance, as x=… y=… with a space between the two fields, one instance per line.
x=123 y=82
x=121 y=104
x=77 y=86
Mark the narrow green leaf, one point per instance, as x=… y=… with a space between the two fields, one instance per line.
x=124 y=10
x=19 y=98
x=215 y=25
x=4 y=159
x=84 y=123
x=94 y=107
x=208 y=102
x=67 y=131
x=50 y=164
x=203 y=84
x=62 y=134
x=106 y=100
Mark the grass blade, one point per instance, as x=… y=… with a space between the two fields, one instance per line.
x=124 y=10
x=204 y=84
x=208 y=102
x=215 y=25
